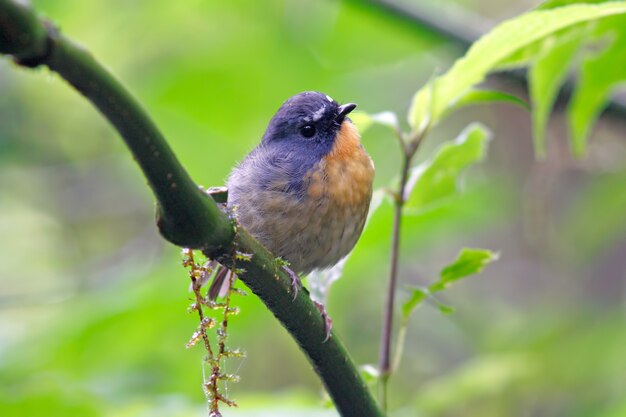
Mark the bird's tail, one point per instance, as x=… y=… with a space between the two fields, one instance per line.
x=221 y=282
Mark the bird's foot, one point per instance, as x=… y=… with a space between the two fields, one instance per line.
x=296 y=284
x=328 y=323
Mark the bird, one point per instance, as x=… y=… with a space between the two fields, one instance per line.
x=304 y=191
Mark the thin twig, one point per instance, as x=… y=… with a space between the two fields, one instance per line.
x=409 y=149
x=387 y=331
x=190 y=261
x=211 y=388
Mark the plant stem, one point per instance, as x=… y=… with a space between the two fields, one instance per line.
x=384 y=364
x=187 y=216
x=408 y=149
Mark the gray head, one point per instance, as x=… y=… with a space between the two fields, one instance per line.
x=309 y=121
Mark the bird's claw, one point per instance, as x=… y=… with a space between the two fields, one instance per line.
x=296 y=284
x=328 y=323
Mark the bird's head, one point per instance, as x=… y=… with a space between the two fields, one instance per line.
x=310 y=121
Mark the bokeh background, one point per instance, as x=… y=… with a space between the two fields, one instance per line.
x=93 y=303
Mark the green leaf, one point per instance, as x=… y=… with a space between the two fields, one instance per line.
x=476 y=96
x=553 y=4
x=600 y=75
x=364 y=121
x=430 y=102
x=417 y=296
x=469 y=262
x=551 y=59
x=546 y=76
x=444 y=309
x=437 y=178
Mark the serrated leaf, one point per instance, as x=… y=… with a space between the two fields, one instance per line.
x=546 y=76
x=417 y=296
x=437 y=178
x=600 y=75
x=431 y=101
x=469 y=262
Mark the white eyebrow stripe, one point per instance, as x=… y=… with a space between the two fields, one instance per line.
x=329 y=98
x=319 y=113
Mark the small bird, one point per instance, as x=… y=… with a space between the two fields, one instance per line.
x=305 y=190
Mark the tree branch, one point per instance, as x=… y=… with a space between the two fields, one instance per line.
x=187 y=216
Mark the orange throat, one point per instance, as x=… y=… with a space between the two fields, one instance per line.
x=346 y=173
x=347 y=143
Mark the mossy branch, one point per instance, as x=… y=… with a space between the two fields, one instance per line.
x=186 y=215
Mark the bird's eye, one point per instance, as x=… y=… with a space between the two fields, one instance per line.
x=308 y=131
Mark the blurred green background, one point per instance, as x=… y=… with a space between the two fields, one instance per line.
x=93 y=303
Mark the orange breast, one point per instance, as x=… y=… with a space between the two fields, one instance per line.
x=348 y=169
x=318 y=232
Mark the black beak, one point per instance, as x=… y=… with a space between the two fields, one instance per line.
x=343 y=111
